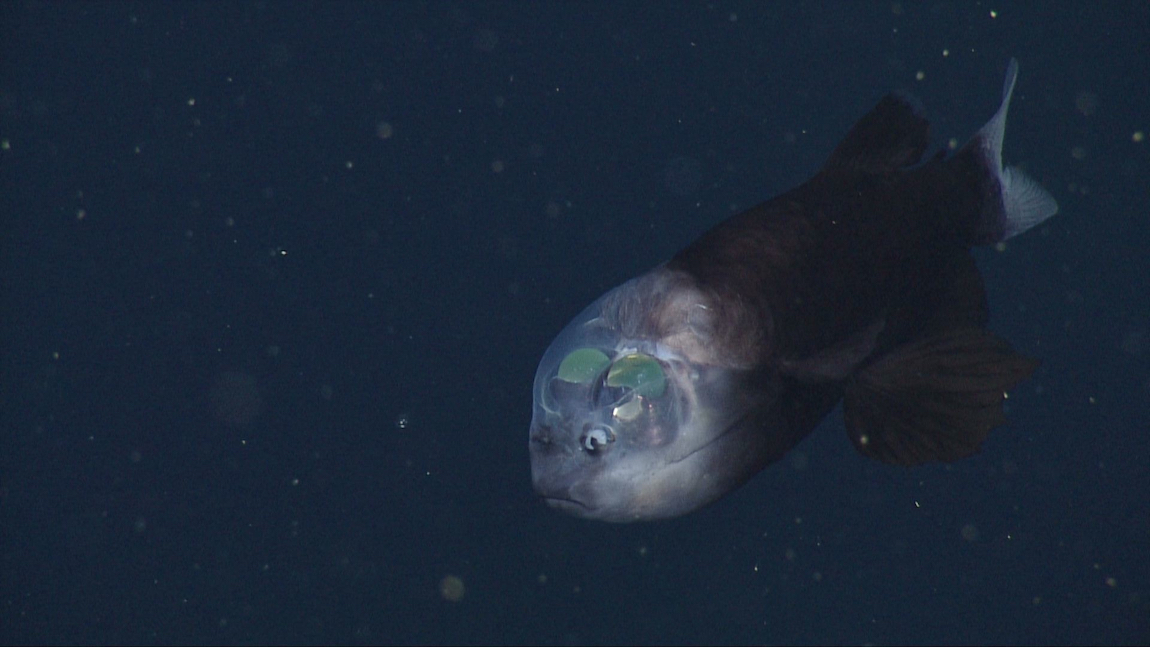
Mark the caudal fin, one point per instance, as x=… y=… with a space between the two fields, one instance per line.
x=1013 y=202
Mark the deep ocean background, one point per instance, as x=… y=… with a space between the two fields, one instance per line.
x=276 y=277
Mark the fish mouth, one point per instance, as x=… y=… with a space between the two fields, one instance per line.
x=566 y=504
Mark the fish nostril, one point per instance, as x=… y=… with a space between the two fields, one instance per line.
x=596 y=439
x=541 y=436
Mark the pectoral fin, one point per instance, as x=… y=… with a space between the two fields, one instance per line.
x=838 y=361
x=935 y=399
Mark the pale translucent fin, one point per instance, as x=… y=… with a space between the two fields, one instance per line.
x=1024 y=203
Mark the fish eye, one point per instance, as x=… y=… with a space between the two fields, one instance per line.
x=639 y=372
x=583 y=366
x=597 y=438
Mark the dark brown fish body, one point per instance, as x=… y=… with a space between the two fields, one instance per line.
x=857 y=286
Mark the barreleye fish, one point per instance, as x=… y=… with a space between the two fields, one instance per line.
x=857 y=286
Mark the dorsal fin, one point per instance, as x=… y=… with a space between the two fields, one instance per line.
x=893 y=135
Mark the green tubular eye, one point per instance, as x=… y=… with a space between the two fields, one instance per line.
x=642 y=373
x=583 y=365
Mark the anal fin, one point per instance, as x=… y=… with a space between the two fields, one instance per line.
x=934 y=399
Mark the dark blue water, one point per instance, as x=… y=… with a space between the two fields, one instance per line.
x=276 y=277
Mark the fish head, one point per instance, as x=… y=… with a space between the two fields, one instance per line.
x=631 y=423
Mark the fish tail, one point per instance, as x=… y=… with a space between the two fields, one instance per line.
x=1011 y=201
